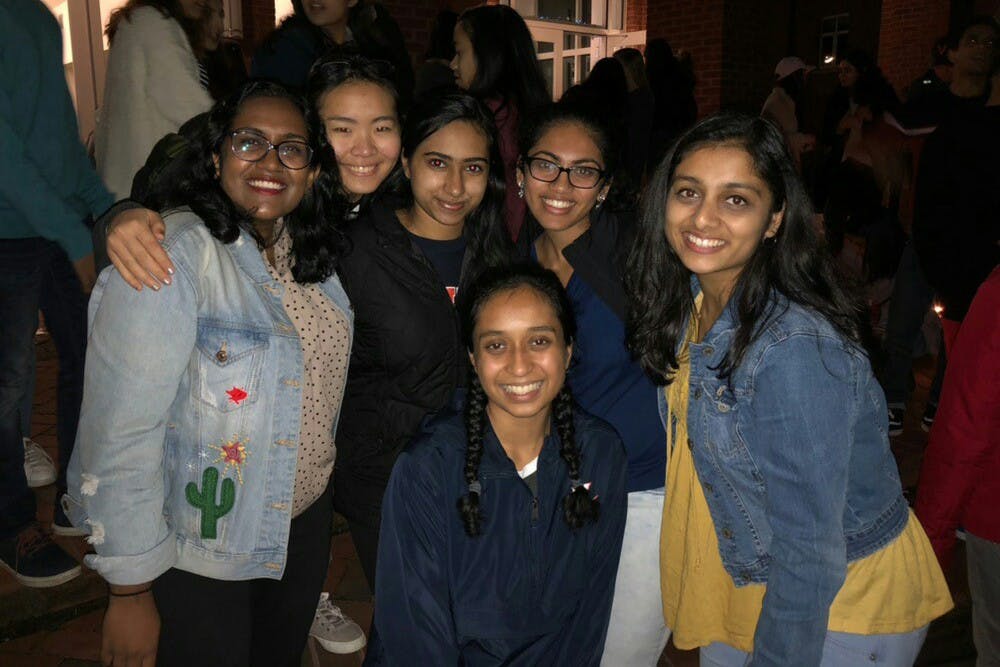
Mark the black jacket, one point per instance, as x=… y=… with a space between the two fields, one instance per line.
x=407 y=360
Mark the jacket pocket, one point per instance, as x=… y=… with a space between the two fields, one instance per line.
x=229 y=366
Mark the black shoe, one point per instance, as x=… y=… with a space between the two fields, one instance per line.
x=62 y=526
x=928 y=419
x=895 y=421
x=35 y=560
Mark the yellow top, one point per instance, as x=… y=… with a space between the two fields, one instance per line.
x=896 y=589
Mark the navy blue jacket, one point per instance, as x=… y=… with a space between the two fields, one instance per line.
x=529 y=590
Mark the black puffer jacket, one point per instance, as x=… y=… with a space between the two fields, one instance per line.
x=407 y=360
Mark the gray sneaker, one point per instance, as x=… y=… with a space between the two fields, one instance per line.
x=38 y=466
x=335 y=632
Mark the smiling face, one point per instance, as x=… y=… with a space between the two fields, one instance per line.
x=718 y=213
x=361 y=125
x=559 y=206
x=520 y=355
x=464 y=63
x=448 y=173
x=266 y=188
x=328 y=15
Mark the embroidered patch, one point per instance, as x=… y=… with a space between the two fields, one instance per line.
x=234 y=453
x=237 y=395
x=204 y=500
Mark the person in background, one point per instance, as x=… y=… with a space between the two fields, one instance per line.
x=786 y=539
x=581 y=228
x=152 y=86
x=639 y=106
x=671 y=81
x=781 y=106
x=435 y=74
x=523 y=570
x=495 y=61
x=936 y=79
x=316 y=28
x=220 y=61
x=604 y=94
x=972 y=49
x=960 y=477
x=47 y=190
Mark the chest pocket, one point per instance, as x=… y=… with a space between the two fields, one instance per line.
x=229 y=366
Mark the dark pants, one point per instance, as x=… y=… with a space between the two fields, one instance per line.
x=260 y=622
x=911 y=300
x=36 y=274
x=365 y=538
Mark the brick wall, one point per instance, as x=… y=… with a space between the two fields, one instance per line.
x=258 y=22
x=755 y=38
x=695 y=26
x=415 y=19
x=635 y=14
x=908 y=29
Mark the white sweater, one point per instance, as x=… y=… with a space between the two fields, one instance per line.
x=152 y=88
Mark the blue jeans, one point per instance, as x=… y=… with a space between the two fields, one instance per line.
x=35 y=274
x=636 y=632
x=911 y=299
x=841 y=649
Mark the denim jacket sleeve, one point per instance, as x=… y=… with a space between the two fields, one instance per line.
x=799 y=433
x=139 y=347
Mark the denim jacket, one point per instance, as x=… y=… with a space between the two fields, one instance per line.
x=793 y=457
x=187 y=447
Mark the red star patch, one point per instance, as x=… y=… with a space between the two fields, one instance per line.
x=236 y=395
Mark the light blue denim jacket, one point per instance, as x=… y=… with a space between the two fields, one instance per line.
x=793 y=457
x=176 y=382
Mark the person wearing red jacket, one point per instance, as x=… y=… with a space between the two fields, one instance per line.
x=960 y=478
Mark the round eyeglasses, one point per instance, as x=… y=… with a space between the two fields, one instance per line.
x=548 y=171
x=251 y=147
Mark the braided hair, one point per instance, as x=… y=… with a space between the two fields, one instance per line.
x=578 y=505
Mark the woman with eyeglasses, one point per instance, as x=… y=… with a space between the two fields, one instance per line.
x=565 y=176
x=206 y=440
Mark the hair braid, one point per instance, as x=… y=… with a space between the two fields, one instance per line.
x=578 y=506
x=475 y=425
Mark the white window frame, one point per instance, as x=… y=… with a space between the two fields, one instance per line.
x=837 y=33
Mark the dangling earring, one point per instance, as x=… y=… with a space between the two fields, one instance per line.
x=520 y=190
x=600 y=200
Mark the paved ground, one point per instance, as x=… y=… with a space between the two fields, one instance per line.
x=60 y=627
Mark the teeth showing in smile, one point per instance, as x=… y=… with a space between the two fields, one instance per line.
x=704 y=243
x=359 y=170
x=557 y=203
x=521 y=389
x=262 y=184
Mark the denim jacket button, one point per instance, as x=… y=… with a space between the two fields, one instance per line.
x=708 y=351
x=222 y=355
x=707 y=486
x=728 y=534
x=697 y=392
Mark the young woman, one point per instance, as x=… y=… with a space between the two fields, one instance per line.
x=204 y=454
x=523 y=570
x=407 y=263
x=565 y=178
x=786 y=538
x=495 y=61
x=152 y=85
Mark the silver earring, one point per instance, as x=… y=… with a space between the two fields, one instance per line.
x=520 y=190
x=600 y=200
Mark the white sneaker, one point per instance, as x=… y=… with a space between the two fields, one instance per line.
x=335 y=632
x=38 y=466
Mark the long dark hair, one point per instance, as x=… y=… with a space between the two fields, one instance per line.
x=506 y=64
x=330 y=72
x=794 y=264
x=316 y=245
x=487 y=242
x=579 y=507
x=168 y=8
